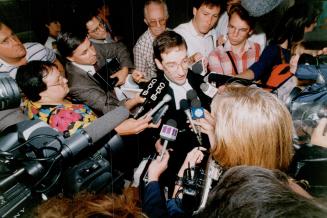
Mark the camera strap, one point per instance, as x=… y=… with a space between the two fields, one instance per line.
x=232 y=61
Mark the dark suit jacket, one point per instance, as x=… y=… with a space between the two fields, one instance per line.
x=86 y=89
x=186 y=140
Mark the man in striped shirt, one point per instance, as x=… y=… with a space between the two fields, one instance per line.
x=238 y=53
x=13 y=53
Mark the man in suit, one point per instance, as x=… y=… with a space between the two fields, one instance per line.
x=170 y=53
x=84 y=60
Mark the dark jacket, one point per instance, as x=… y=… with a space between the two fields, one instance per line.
x=186 y=140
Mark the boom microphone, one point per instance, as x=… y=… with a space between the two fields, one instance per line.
x=95 y=131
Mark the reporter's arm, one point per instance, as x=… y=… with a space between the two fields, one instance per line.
x=247 y=74
x=193 y=157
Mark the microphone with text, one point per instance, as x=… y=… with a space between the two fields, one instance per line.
x=185 y=107
x=208 y=89
x=168 y=133
x=154 y=91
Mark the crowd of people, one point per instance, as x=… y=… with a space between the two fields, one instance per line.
x=246 y=130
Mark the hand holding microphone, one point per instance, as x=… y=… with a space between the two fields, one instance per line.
x=168 y=133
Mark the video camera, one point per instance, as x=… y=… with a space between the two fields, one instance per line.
x=197 y=182
x=36 y=161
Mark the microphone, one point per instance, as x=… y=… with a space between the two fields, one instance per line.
x=185 y=107
x=208 y=89
x=95 y=131
x=191 y=94
x=155 y=90
x=165 y=99
x=220 y=79
x=168 y=132
x=197 y=111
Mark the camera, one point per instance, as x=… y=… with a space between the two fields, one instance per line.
x=197 y=182
x=45 y=164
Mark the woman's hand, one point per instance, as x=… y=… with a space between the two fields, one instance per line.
x=207 y=126
x=157 y=167
x=193 y=157
x=319 y=136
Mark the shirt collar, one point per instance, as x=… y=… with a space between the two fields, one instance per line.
x=228 y=46
x=88 y=68
x=195 y=33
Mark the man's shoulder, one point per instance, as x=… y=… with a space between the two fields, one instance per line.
x=74 y=71
x=144 y=40
x=182 y=28
x=37 y=51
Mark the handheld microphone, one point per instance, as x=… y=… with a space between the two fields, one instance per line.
x=197 y=111
x=191 y=94
x=185 y=107
x=168 y=132
x=208 y=89
x=165 y=99
x=155 y=90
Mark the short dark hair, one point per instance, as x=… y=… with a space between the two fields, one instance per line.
x=30 y=78
x=67 y=42
x=165 y=41
x=249 y=191
x=243 y=14
x=210 y=3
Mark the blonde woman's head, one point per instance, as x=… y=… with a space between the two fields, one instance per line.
x=252 y=128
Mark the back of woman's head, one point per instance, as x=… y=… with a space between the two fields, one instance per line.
x=30 y=78
x=293 y=23
x=246 y=191
x=90 y=205
x=252 y=127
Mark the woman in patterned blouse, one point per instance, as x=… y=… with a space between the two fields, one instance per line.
x=45 y=91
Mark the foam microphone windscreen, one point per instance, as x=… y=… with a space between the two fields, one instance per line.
x=105 y=124
x=191 y=94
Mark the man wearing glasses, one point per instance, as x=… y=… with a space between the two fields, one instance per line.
x=97 y=32
x=238 y=53
x=170 y=53
x=155 y=17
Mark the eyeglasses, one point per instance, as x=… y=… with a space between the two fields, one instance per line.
x=99 y=27
x=239 y=30
x=154 y=23
x=173 y=66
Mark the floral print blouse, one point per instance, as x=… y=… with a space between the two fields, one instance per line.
x=65 y=118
